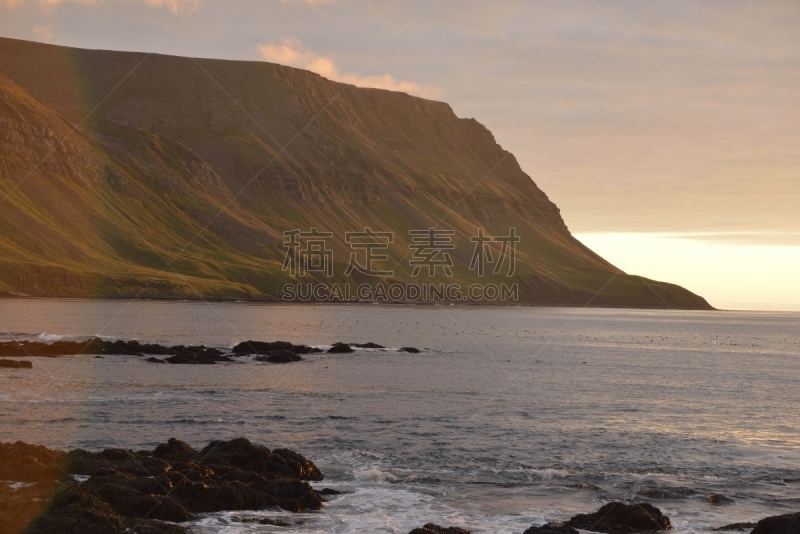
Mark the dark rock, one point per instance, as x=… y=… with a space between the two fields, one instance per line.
x=171 y=483
x=97 y=346
x=717 y=499
x=279 y=463
x=21 y=462
x=620 y=518
x=412 y=350
x=38 y=469
x=741 y=527
x=198 y=356
x=175 y=450
x=280 y=356
x=75 y=509
x=14 y=364
x=778 y=524
x=552 y=528
x=430 y=528
x=369 y=345
x=153 y=359
x=340 y=348
x=329 y=491
x=265 y=347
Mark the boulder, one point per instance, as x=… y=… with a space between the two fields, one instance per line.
x=340 y=348
x=21 y=462
x=152 y=490
x=552 y=528
x=412 y=350
x=621 y=518
x=717 y=499
x=369 y=345
x=740 y=527
x=430 y=528
x=280 y=356
x=265 y=347
x=779 y=524
x=96 y=346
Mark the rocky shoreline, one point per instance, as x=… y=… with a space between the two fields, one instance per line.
x=264 y=351
x=47 y=491
x=148 y=492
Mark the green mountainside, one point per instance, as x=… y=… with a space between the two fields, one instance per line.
x=123 y=174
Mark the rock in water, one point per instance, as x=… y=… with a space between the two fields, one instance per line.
x=621 y=518
x=280 y=356
x=127 y=489
x=340 y=348
x=740 y=527
x=779 y=524
x=14 y=364
x=552 y=528
x=265 y=347
x=717 y=499
x=430 y=528
x=412 y=350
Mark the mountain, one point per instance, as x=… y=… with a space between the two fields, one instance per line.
x=131 y=174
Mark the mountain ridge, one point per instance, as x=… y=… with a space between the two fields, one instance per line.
x=236 y=153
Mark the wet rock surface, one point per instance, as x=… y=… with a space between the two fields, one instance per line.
x=740 y=527
x=265 y=347
x=779 y=524
x=340 y=348
x=280 y=356
x=148 y=491
x=621 y=518
x=202 y=357
x=100 y=346
x=552 y=528
x=411 y=350
x=16 y=364
x=431 y=528
x=264 y=351
x=718 y=499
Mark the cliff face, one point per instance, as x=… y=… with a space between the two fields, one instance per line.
x=172 y=142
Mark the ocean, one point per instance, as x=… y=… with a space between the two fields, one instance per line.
x=509 y=417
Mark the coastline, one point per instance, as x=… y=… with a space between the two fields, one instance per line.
x=166 y=491
x=277 y=302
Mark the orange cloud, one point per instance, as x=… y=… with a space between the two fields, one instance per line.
x=46 y=4
x=42 y=32
x=314 y=3
x=291 y=52
x=174 y=6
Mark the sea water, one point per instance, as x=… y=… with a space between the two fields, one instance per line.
x=509 y=417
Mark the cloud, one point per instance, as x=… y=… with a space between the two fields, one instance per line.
x=46 y=4
x=174 y=6
x=314 y=3
x=42 y=32
x=291 y=52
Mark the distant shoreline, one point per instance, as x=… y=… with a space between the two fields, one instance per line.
x=267 y=301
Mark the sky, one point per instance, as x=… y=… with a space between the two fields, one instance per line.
x=667 y=131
